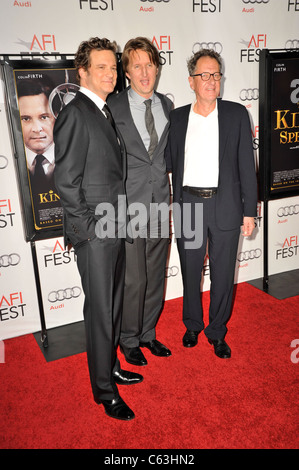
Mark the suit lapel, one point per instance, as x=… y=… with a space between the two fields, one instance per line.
x=223 y=123
x=166 y=128
x=181 y=134
x=124 y=112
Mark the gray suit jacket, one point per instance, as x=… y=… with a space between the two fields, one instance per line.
x=147 y=179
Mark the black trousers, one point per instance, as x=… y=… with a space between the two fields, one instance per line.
x=101 y=265
x=222 y=251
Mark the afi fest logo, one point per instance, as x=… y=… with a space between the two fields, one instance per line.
x=59 y=256
x=11 y=306
x=289 y=248
x=163 y=45
x=6 y=214
x=254 y=47
x=206 y=6
x=43 y=42
x=102 y=5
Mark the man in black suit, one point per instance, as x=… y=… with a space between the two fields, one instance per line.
x=37 y=125
x=142 y=117
x=210 y=155
x=89 y=174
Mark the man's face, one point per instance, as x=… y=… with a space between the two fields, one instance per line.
x=206 y=92
x=37 y=122
x=142 y=73
x=101 y=75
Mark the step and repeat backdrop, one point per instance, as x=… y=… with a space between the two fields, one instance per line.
x=237 y=29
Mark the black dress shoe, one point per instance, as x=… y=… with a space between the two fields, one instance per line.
x=221 y=348
x=134 y=356
x=125 y=377
x=156 y=348
x=190 y=338
x=117 y=409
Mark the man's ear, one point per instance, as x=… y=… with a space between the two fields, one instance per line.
x=190 y=79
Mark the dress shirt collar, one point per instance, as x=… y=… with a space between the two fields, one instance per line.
x=95 y=98
x=211 y=115
x=48 y=154
x=138 y=99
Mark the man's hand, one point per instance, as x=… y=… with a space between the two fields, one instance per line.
x=248 y=226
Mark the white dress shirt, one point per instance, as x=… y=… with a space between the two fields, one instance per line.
x=202 y=150
x=48 y=164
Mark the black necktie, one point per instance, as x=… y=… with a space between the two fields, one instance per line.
x=150 y=126
x=39 y=171
x=109 y=116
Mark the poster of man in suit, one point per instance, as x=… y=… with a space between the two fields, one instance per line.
x=41 y=94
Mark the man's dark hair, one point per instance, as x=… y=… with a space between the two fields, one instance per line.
x=82 y=56
x=191 y=63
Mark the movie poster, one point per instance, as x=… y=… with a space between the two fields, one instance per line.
x=285 y=126
x=41 y=94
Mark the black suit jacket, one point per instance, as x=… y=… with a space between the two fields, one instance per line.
x=90 y=166
x=237 y=186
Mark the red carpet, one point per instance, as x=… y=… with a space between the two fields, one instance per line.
x=192 y=400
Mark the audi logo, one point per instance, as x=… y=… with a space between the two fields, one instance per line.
x=64 y=294
x=255 y=1
x=249 y=94
x=9 y=260
x=216 y=46
x=250 y=254
x=288 y=210
x=3 y=162
x=171 y=271
x=292 y=44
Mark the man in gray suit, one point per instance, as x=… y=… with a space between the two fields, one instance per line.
x=142 y=117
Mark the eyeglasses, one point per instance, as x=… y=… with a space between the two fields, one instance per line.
x=205 y=76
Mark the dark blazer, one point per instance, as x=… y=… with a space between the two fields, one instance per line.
x=146 y=178
x=237 y=186
x=94 y=170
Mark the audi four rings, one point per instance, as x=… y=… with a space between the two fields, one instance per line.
x=216 y=46
x=255 y=1
x=3 y=162
x=250 y=254
x=171 y=271
x=9 y=260
x=64 y=294
x=249 y=94
x=292 y=44
x=288 y=210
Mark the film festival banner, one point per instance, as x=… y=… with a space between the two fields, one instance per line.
x=283 y=235
x=62 y=292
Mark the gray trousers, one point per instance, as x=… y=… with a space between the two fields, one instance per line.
x=144 y=289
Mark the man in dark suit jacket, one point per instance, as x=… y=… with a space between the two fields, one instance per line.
x=147 y=183
x=89 y=175
x=211 y=158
